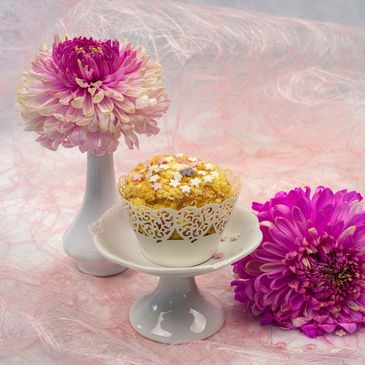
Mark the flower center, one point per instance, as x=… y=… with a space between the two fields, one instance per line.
x=86 y=59
x=89 y=49
x=325 y=270
x=339 y=270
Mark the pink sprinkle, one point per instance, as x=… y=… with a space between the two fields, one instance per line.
x=310 y=346
x=157 y=186
x=223 y=238
x=181 y=160
x=280 y=345
x=137 y=177
x=217 y=255
x=195 y=163
x=147 y=164
x=161 y=160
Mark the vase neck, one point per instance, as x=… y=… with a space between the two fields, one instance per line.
x=100 y=176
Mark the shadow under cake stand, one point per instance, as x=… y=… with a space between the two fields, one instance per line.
x=177 y=311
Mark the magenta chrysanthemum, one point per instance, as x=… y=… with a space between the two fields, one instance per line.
x=86 y=93
x=309 y=270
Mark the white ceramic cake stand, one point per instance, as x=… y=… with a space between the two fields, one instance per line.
x=176 y=311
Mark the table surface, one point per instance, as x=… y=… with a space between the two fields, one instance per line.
x=289 y=111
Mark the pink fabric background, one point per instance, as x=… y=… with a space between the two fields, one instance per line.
x=280 y=101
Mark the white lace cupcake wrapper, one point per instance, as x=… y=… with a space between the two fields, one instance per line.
x=190 y=223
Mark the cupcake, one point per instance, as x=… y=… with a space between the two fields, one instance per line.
x=178 y=206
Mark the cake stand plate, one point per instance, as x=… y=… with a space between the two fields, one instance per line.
x=177 y=311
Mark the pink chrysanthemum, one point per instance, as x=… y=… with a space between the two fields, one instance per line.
x=309 y=270
x=86 y=92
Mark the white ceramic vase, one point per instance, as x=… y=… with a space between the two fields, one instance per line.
x=100 y=194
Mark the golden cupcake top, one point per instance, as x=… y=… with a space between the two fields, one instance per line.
x=176 y=181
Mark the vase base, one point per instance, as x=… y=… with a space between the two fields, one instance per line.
x=100 y=269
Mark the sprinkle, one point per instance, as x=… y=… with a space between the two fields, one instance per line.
x=310 y=346
x=174 y=183
x=154 y=178
x=169 y=159
x=217 y=255
x=335 y=350
x=214 y=174
x=157 y=186
x=195 y=164
x=161 y=160
x=147 y=164
x=195 y=182
x=178 y=166
x=137 y=177
x=223 y=238
x=154 y=168
x=192 y=159
x=177 y=176
x=208 y=178
x=234 y=236
x=181 y=160
x=185 y=189
x=188 y=171
x=164 y=167
x=340 y=333
x=202 y=173
x=280 y=345
x=209 y=166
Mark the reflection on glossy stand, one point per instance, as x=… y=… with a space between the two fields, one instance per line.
x=177 y=311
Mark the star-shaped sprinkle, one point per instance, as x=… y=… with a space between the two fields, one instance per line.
x=137 y=177
x=223 y=238
x=202 y=172
x=174 y=183
x=209 y=166
x=161 y=160
x=181 y=160
x=180 y=155
x=185 y=189
x=214 y=174
x=169 y=159
x=192 y=159
x=177 y=176
x=208 y=178
x=195 y=164
x=154 y=168
x=188 y=171
x=154 y=178
x=178 y=166
x=218 y=255
x=157 y=186
x=164 y=167
x=235 y=236
x=146 y=164
x=195 y=182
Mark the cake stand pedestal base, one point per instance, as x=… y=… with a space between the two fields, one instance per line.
x=177 y=312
